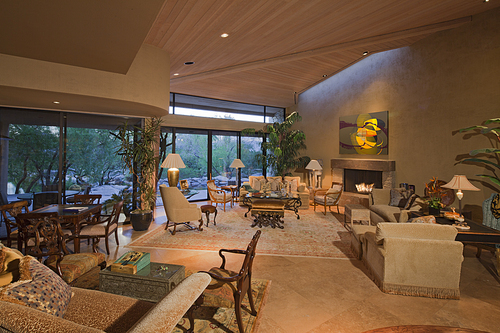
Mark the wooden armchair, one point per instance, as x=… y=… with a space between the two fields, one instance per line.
x=25 y=226
x=328 y=197
x=237 y=283
x=218 y=195
x=50 y=243
x=87 y=199
x=9 y=213
x=103 y=226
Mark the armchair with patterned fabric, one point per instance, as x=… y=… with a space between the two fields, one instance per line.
x=328 y=197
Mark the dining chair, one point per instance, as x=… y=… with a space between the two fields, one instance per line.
x=102 y=226
x=25 y=223
x=50 y=249
x=226 y=282
x=9 y=213
x=218 y=195
x=87 y=199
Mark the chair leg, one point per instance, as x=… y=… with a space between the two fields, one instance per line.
x=200 y=227
x=325 y=210
x=193 y=307
x=250 y=299
x=237 y=310
x=166 y=227
x=106 y=241
x=116 y=236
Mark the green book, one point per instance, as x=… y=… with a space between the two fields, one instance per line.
x=131 y=262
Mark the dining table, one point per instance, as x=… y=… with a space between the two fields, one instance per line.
x=73 y=215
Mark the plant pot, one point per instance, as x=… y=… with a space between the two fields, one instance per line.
x=141 y=220
x=434 y=211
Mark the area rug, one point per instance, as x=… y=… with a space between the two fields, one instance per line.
x=313 y=235
x=207 y=319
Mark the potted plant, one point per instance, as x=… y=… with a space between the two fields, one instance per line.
x=138 y=148
x=434 y=196
x=281 y=150
x=124 y=195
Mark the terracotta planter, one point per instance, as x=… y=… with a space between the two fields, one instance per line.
x=141 y=220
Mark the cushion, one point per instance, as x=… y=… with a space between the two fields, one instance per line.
x=424 y=219
x=495 y=206
x=321 y=200
x=274 y=182
x=40 y=288
x=334 y=189
x=399 y=197
x=388 y=213
x=9 y=265
x=415 y=230
x=75 y=265
x=410 y=201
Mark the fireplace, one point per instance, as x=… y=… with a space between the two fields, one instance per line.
x=384 y=169
x=353 y=177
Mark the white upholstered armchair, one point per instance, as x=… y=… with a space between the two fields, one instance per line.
x=178 y=209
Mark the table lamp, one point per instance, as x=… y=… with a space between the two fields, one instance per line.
x=460 y=182
x=237 y=164
x=314 y=165
x=173 y=162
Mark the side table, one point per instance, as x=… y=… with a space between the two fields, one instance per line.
x=150 y=284
x=356 y=212
x=207 y=209
x=234 y=191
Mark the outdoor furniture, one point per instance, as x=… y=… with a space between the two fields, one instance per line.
x=102 y=226
x=9 y=213
x=207 y=209
x=236 y=283
x=42 y=199
x=50 y=249
x=218 y=195
x=328 y=197
x=178 y=209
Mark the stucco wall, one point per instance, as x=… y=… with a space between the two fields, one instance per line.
x=445 y=82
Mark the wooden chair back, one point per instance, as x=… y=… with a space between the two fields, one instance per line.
x=87 y=199
x=9 y=213
x=25 y=223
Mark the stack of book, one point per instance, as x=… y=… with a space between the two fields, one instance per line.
x=131 y=262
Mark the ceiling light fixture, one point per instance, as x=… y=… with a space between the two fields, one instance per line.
x=365 y=53
x=325 y=75
x=486 y=1
x=175 y=74
x=224 y=35
x=187 y=63
x=56 y=102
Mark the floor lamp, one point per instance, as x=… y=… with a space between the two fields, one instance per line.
x=173 y=162
x=237 y=164
x=314 y=166
x=460 y=182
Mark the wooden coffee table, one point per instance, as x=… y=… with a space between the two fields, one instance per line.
x=356 y=212
x=150 y=284
x=291 y=202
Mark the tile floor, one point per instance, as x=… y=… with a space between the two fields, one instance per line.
x=312 y=295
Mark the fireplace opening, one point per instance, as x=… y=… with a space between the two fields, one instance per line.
x=353 y=177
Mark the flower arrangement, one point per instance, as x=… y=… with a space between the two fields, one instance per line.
x=434 y=194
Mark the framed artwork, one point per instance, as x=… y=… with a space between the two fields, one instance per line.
x=364 y=134
x=184 y=184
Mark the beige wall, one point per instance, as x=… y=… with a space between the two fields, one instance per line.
x=143 y=91
x=445 y=82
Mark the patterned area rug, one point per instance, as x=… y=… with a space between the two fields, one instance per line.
x=207 y=319
x=313 y=235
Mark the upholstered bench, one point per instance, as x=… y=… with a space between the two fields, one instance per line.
x=358 y=238
x=268 y=212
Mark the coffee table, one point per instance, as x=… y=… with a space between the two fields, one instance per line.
x=151 y=283
x=291 y=201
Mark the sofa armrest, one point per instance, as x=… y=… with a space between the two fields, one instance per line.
x=167 y=312
x=19 y=318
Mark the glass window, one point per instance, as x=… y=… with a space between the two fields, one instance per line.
x=250 y=150
x=224 y=151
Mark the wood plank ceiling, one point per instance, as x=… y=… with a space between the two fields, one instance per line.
x=277 y=49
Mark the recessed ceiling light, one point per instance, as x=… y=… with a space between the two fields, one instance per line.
x=187 y=63
x=325 y=75
x=175 y=74
x=56 y=102
x=365 y=53
x=486 y=1
x=224 y=35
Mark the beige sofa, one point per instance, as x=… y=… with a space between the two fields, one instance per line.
x=42 y=302
x=261 y=183
x=382 y=211
x=416 y=259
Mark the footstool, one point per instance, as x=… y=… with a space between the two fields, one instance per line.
x=207 y=209
x=358 y=238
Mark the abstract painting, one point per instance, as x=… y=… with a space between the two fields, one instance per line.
x=364 y=134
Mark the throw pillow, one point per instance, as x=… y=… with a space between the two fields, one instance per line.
x=334 y=189
x=424 y=219
x=294 y=185
x=9 y=265
x=256 y=184
x=275 y=183
x=410 y=201
x=39 y=288
x=399 y=197
x=495 y=206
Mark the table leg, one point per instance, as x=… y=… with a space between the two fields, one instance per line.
x=215 y=215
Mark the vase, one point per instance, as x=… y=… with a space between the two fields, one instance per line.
x=141 y=220
x=434 y=211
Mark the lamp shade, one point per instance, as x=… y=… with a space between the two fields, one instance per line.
x=173 y=161
x=460 y=182
x=237 y=163
x=314 y=165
